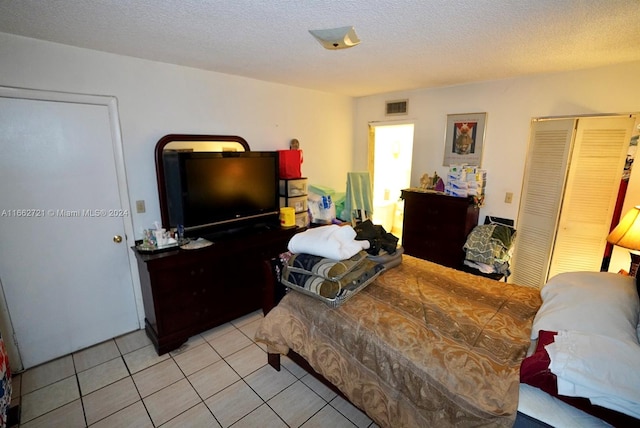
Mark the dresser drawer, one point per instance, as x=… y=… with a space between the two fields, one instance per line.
x=184 y=319
x=170 y=281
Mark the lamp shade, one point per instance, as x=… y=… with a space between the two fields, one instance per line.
x=627 y=233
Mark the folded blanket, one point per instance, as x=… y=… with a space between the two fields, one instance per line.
x=388 y=260
x=332 y=242
x=600 y=368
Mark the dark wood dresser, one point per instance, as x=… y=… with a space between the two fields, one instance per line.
x=186 y=292
x=436 y=226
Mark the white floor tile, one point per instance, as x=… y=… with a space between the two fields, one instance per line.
x=109 y=400
x=134 y=415
x=211 y=334
x=213 y=379
x=318 y=387
x=196 y=358
x=46 y=374
x=69 y=416
x=123 y=382
x=296 y=404
x=328 y=417
x=267 y=382
x=233 y=403
x=295 y=369
x=249 y=318
x=154 y=378
x=249 y=329
x=95 y=355
x=193 y=341
x=142 y=358
x=102 y=375
x=248 y=360
x=354 y=414
x=262 y=417
x=171 y=401
x=49 y=398
x=198 y=416
x=132 y=341
x=229 y=343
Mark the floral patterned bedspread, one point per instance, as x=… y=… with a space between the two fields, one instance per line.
x=423 y=345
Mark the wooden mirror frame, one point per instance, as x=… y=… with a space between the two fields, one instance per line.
x=195 y=142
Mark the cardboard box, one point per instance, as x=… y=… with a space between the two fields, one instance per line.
x=459 y=193
x=457 y=185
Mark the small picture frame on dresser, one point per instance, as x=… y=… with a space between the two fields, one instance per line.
x=464 y=139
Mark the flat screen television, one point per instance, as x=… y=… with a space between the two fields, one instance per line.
x=209 y=192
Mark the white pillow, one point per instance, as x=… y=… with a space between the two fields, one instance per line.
x=592 y=302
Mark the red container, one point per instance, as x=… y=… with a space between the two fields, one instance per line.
x=290 y=162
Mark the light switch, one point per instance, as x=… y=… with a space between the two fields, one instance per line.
x=140 y=208
x=508 y=197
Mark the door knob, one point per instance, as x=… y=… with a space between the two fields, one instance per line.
x=117 y=239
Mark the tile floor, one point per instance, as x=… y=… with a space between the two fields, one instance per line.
x=219 y=378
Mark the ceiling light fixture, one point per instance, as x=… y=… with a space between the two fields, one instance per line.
x=336 y=38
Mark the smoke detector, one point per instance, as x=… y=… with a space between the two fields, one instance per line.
x=336 y=38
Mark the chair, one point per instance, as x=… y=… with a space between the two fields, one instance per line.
x=489 y=248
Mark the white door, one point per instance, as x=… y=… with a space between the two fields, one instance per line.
x=67 y=283
x=550 y=143
x=593 y=182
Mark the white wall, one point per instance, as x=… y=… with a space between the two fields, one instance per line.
x=156 y=99
x=510 y=104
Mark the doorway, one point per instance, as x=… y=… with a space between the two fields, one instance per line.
x=65 y=268
x=390 y=157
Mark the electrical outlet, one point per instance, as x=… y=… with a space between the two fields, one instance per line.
x=140 y=208
x=508 y=197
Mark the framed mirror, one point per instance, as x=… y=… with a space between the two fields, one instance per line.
x=190 y=143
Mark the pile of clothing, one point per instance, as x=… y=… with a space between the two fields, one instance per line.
x=333 y=263
x=489 y=248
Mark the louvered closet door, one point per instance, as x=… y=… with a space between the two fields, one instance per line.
x=543 y=188
x=595 y=171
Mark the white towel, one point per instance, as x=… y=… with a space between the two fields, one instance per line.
x=332 y=242
x=600 y=368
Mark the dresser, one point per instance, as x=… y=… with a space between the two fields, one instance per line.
x=186 y=292
x=436 y=226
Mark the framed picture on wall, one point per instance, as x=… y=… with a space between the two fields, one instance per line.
x=464 y=139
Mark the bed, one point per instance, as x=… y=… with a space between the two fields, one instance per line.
x=425 y=345
x=421 y=345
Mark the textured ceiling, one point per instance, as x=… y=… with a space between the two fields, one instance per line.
x=406 y=44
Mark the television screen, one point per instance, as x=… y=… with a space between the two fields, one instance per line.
x=223 y=188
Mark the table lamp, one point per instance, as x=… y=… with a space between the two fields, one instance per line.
x=627 y=234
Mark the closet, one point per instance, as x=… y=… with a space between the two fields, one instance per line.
x=572 y=177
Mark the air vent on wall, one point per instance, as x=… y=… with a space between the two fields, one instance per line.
x=397 y=107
